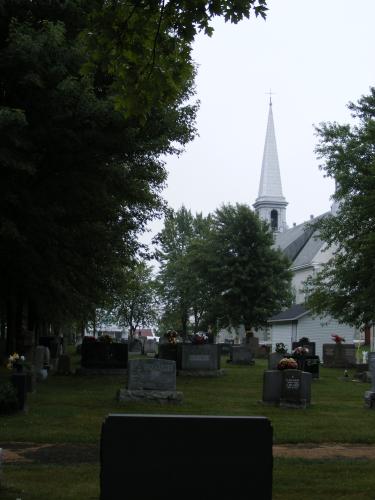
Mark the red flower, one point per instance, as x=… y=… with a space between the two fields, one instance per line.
x=337 y=338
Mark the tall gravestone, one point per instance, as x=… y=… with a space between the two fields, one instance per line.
x=189 y=454
x=370 y=395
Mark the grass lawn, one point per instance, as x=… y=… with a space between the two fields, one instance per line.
x=71 y=409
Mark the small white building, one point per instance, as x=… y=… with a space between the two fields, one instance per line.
x=297 y=322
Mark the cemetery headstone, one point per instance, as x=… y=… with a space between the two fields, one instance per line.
x=309 y=345
x=151 y=379
x=19 y=382
x=339 y=355
x=192 y=442
x=104 y=356
x=272 y=381
x=295 y=389
x=241 y=355
x=273 y=360
x=203 y=359
x=370 y=395
x=311 y=365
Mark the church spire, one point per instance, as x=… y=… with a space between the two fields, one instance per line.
x=271 y=204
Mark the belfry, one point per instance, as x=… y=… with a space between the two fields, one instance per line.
x=271 y=204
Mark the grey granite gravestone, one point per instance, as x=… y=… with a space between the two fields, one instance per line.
x=200 y=359
x=339 y=355
x=151 y=379
x=191 y=443
x=295 y=389
x=370 y=395
x=273 y=360
x=272 y=381
x=241 y=355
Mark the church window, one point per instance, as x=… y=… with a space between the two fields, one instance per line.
x=274 y=220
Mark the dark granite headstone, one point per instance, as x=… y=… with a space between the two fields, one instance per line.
x=339 y=355
x=309 y=345
x=192 y=444
x=204 y=357
x=171 y=352
x=241 y=355
x=370 y=395
x=311 y=365
x=64 y=365
x=296 y=388
x=103 y=355
x=19 y=381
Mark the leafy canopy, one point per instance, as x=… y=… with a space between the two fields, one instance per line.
x=345 y=288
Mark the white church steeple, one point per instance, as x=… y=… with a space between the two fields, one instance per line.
x=271 y=204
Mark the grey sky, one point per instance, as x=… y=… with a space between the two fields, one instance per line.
x=316 y=56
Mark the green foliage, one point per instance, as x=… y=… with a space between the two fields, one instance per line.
x=183 y=292
x=146 y=46
x=78 y=180
x=223 y=266
x=250 y=279
x=344 y=288
x=8 y=398
x=135 y=304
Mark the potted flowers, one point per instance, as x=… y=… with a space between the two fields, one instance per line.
x=275 y=357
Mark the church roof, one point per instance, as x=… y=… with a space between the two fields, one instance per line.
x=300 y=243
x=293 y=313
x=270 y=180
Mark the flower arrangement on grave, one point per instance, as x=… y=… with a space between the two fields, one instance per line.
x=337 y=338
x=300 y=351
x=287 y=364
x=199 y=338
x=281 y=348
x=171 y=336
x=15 y=361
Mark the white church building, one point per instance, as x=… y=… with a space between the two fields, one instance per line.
x=305 y=251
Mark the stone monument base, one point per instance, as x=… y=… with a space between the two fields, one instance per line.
x=201 y=373
x=126 y=395
x=101 y=371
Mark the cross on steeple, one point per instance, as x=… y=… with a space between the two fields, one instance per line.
x=270 y=93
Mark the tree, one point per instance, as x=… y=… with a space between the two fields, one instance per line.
x=180 y=288
x=92 y=94
x=345 y=287
x=147 y=45
x=78 y=179
x=136 y=304
x=249 y=279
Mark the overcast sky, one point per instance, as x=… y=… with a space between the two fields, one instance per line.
x=316 y=56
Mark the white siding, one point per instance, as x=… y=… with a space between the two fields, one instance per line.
x=320 y=330
x=281 y=332
x=297 y=280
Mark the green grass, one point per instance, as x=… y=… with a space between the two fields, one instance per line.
x=71 y=409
